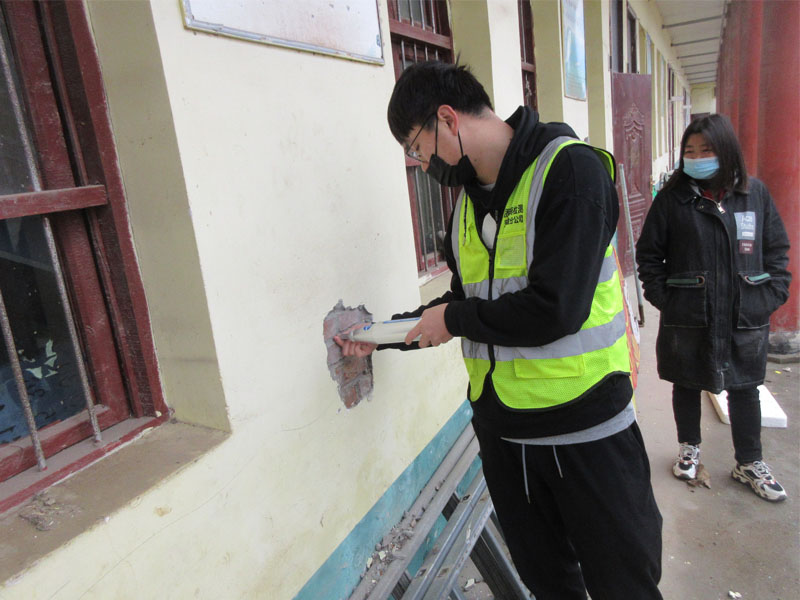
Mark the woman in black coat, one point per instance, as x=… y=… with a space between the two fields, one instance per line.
x=712 y=258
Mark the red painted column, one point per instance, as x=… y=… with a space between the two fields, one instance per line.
x=749 y=35
x=728 y=89
x=779 y=136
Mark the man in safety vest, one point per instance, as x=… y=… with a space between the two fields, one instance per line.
x=537 y=302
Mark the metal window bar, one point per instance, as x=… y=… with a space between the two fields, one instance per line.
x=432 y=220
x=73 y=330
x=5 y=324
x=11 y=350
x=438 y=210
x=422 y=238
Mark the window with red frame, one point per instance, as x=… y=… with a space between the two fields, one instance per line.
x=420 y=31
x=75 y=347
x=526 y=53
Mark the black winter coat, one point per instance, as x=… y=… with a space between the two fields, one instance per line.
x=716 y=277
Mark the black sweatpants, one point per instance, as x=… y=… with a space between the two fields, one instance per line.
x=589 y=520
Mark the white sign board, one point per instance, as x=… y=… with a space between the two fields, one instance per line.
x=344 y=28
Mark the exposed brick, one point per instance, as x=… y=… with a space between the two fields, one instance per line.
x=353 y=375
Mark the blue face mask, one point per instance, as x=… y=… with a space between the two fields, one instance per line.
x=701 y=168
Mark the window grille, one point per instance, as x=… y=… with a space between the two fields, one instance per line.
x=420 y=31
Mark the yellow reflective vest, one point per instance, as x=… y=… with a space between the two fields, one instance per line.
x=539 y=377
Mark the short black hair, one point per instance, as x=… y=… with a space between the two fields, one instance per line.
x=720 y=135
x=423 y=87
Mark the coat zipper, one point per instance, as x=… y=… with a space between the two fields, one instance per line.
x=728 y=317
x=491 y=282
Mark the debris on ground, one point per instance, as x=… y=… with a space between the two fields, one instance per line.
x=734 y=595
x=702 y=479
x=46 y=510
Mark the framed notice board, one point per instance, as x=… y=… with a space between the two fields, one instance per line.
x=343 y=28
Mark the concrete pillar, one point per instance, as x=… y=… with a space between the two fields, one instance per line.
x=728 y=94
x=547 y=50
x=779 y=132
x=486 y=35
x=598 y=74
x=749 y=70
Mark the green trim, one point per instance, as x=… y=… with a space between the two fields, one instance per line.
x=341 y=572
x=692 y=281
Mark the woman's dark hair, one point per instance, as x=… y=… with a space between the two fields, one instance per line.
x=719 y=133
x=424 y=87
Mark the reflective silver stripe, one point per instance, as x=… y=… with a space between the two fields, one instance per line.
x=608 y=269
x=537 y=183
x=586 y=340
x=477 y=290
x=514 y=284
x=508 y=284
x=455 y=234
x=472 y=349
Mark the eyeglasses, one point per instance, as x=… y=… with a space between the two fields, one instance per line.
x=410 y=152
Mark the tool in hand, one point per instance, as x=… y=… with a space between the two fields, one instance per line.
x=383 y=332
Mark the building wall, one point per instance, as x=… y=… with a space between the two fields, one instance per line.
x=650 y=20
x=262 y=190
x=704 y=98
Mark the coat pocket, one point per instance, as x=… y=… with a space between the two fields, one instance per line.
x=756 y=300
x=686 y=300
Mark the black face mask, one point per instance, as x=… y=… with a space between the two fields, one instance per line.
x=447 y=174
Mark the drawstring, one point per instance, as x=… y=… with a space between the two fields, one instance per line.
x=525 y=474
x=557 y=463
x=525 y=470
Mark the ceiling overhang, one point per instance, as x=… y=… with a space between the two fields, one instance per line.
x=695 y=30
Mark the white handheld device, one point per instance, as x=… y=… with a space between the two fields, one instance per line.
x=383 y=332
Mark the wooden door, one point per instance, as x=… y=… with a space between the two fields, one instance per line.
x=632 y=116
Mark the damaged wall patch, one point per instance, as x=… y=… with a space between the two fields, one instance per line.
x=352 y=374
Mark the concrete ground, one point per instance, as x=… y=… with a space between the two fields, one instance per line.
x=722 y=541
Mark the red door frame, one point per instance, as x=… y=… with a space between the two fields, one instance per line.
x=632 y=114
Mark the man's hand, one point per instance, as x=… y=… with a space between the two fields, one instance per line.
x=351 y=348
x=431 y=328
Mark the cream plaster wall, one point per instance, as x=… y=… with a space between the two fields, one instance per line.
x=286 y=192
x=504 y=38
x=598 y=74
x=553 y=104
x=486 y=36
x=650 y=19
x=704 y=98
x=547 y=53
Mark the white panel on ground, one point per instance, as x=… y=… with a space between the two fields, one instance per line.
x=772 y=414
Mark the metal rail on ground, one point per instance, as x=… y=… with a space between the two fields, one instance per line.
x=471 y=533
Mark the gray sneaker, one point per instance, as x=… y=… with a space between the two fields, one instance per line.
x=688 y=459
x=760 y=478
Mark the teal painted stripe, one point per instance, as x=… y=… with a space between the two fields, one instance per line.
x=341 y=573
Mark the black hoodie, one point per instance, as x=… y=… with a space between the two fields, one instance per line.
x=575 y=221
